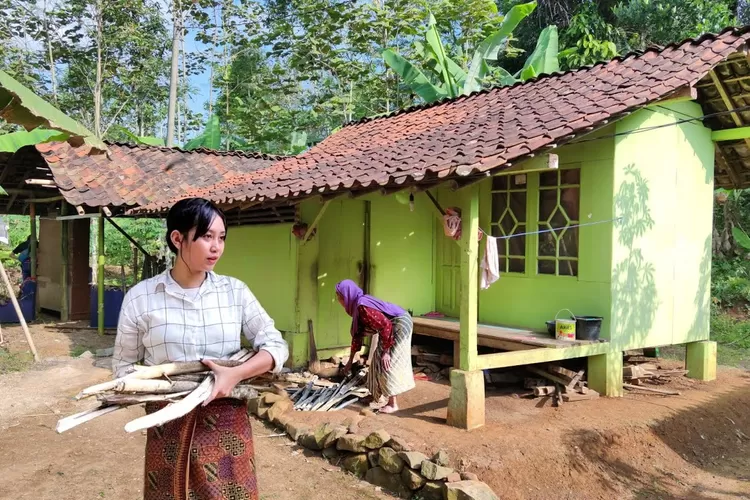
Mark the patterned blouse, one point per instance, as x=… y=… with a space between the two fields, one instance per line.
x=372 y=321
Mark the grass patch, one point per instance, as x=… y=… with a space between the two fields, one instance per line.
x=78 y=350
x=14 y=361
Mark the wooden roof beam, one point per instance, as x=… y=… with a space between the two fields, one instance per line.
x=734 y=176
x=722 y=90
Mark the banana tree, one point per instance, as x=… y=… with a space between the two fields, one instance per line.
x=43 y=122
x=454 y=80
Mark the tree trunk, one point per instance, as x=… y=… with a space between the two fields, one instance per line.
x=52 y=69
x=98 y=85
x=176 y=15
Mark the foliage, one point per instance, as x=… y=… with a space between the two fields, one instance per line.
x=453 y=80
x=588 y=39
x=12 y=142
x=119 y=251
x=661 y=22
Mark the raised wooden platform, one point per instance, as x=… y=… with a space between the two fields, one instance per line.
x=494 y=336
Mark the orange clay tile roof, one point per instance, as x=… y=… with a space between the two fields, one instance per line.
x=139 y=175
x=475 y=134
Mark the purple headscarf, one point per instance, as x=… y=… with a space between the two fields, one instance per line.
x=354 y=297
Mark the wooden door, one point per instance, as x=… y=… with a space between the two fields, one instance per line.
x=341 y=256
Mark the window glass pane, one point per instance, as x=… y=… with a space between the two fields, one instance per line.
x=570 y=199
x=507 y=223
x=570 y=176
x=499 y=204
x=516 y=266
x=569 y=243
x=517 y=245
x=548 y=178
x=546 y=267
x=568 y=268
x=547 y=203
x=503 y=264
x=547 y=243
x=518 y=205
x=500 y=183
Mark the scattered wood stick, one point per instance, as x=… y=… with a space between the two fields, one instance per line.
x=650 y=389
x=71 y=421
x=546 y=375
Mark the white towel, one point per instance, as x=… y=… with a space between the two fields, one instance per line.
x=490 y=263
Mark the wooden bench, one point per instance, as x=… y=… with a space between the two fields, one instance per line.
x=493 y=336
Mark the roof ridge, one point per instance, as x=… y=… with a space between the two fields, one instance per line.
x=177 y=149
x=735 y=30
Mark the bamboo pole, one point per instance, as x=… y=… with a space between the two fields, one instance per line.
x=64 y=230
x=33 y=252
x=100 y=273
x=19 y=312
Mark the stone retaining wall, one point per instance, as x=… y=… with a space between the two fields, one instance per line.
x=378 y=457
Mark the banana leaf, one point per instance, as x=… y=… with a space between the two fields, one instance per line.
x=413 y=77
x=21 y=106
x=137 y=139
x=209 y=139
x=490 y=47
x=438 y=52
x=10 y=143
x=544 y=58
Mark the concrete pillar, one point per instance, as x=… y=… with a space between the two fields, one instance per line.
x=605 y=373
x=466 y=404
x=700 y=360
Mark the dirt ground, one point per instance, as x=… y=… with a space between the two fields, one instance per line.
x=99 y=459
x=696 y=445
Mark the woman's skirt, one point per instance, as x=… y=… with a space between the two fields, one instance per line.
x=205 y=455
x=400 y=378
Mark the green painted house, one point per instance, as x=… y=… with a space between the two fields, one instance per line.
x=603 y=178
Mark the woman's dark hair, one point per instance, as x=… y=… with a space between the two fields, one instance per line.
x=192 y=213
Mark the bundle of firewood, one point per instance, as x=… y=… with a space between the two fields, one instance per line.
x=559 y=383
x=183 y=385
x=314 y=396
x=637 y=374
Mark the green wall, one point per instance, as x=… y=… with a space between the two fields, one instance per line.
x=662 y=249
x=401 y=252
x=527 y=300
x=265 y=258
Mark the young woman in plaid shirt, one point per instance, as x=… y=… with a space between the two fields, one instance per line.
x=190 y=313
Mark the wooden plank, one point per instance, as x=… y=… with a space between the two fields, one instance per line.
x=576 y=379
x=548 y=376
x=738 y=121
x=534 y=356
x=563 y=372
x=483 y=340
x=527 y=337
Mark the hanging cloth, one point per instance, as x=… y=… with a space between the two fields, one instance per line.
x=490 y=263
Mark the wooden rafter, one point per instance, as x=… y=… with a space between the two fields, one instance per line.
x=727 y=167
x=738 y=121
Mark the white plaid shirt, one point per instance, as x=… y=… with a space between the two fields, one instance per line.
x=160 y=322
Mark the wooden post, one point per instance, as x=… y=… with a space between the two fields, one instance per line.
x=65 y=249
x=135 y=265
x=700 y=360
x=466 y=404
x=469 y=278
x=33 y=252
x=100 y=273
